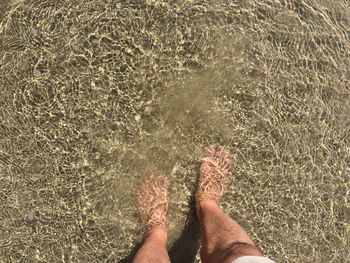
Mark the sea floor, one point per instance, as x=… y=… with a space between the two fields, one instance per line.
x=97 y=95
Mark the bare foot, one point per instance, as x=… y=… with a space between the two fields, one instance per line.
x=214 y=175
x=153 y=204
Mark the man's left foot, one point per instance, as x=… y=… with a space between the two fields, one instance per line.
x=153 y=204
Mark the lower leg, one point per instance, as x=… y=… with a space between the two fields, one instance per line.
x=223 y=239
x=154 y=249
x=153 y=208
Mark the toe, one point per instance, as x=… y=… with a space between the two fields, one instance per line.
x=162 y=181
x=209 y=151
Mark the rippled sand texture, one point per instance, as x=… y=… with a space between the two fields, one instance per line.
x=97 y=95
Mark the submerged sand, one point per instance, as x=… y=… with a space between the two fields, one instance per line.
x=98 y=95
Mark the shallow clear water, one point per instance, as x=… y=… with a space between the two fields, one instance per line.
x=98 y=95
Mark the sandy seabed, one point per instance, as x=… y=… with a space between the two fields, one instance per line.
x=97 y=95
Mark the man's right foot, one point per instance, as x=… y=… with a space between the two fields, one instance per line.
x=153 y=204
x=214 y=176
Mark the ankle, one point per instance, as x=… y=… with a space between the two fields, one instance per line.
x=206 y=206
x=158 y=235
